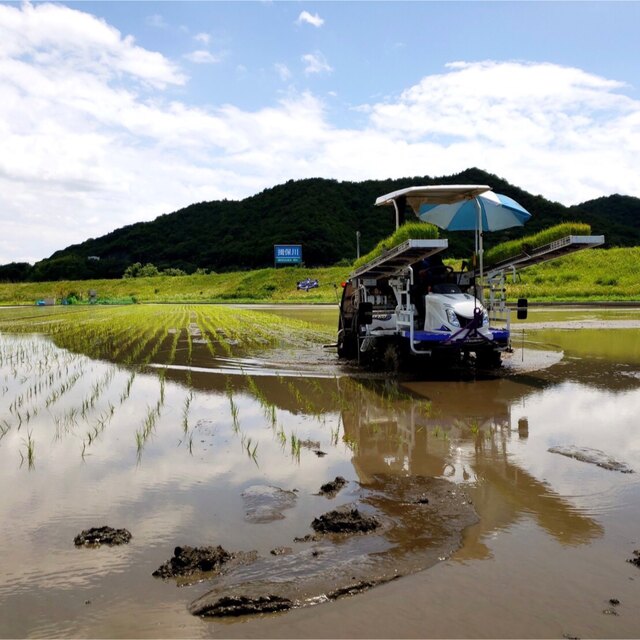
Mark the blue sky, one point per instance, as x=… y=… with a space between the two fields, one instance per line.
x=115 y=112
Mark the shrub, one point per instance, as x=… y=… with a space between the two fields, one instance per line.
x=136 y=270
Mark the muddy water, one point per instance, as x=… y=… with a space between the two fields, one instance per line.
x=544 y=552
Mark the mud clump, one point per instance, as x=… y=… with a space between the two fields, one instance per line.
x=228 y=606
x=281 y=551
x=636 y=558
x=307 y=538
x=331 y=489
x=359 y=587
x=97 y=536
x=344 y=521
x=189 y=560
x=310 y=444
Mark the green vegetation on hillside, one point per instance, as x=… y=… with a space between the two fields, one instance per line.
x=262 y=285
x=321 y=215
x=595 y=274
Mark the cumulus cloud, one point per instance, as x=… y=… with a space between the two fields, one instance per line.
x=61 y=40
x=204 y=38
x=90 y=139
x=283 y=71
x=307 y=18
x=202 y=56
x=156 y=21
x=522 y=120
x=316 y=63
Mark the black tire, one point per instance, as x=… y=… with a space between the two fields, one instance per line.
x=347 y=344
x=488 y=359
x=393 y=358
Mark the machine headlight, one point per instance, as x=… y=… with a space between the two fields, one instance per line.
x=452 y=319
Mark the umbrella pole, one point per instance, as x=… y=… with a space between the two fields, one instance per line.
x=479 y=250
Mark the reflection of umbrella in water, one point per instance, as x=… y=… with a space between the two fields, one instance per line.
x=477 y=210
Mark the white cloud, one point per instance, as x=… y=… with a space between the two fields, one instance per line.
x=201 y=56
x=204 y=38
x=283 y=71
x=156 y=21
x=90 y=140
x=530 y=123
x=308 y=18
x=63 y=39
x=316 y=63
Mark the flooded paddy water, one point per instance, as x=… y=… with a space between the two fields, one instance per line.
x=205 y=426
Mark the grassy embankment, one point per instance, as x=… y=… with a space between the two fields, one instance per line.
x=593 y=275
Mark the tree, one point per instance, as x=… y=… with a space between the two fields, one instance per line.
x=136 y=270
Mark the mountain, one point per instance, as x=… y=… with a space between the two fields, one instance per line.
x=321 y=215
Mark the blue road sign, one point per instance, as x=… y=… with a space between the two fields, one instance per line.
x=287 y=253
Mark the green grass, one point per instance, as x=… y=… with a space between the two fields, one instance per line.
x=263 y=285
x=410 y=230
x=595 y=274
x=513 y=248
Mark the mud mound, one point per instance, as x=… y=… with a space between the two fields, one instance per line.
x=189 y=560
x=407 y=533
x=331 y=489
x=265 y=503
x=592 y=456
x=358 y=587
x=636 y=558
x=242 y=606
x=344 y=521
x=97 y=536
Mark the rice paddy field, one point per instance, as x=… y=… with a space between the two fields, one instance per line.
x=506 y=505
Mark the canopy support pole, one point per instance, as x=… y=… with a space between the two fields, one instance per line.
x=479 y=250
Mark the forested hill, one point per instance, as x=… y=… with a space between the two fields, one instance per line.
x=321 y=215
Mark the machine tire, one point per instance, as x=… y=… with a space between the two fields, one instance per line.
x=488 y=359
x=347 y=346
x=393 y=358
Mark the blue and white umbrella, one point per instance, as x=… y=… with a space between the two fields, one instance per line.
x=459 y=207
x=488 y=211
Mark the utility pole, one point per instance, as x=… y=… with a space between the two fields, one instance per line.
x=357 y=244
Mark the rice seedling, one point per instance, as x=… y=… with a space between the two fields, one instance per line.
x=296 y=446
x=185 y=412
x=513 y=248
x=234 y=415
x=416 y=230
x=335 y=435
x=30 y=446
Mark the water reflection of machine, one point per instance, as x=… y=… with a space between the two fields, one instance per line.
x=461 y=431
x=462 y=436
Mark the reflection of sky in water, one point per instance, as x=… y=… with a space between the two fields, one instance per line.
x=575 y=414
x=173 y=495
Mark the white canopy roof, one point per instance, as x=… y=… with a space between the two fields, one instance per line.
x=434 y=194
